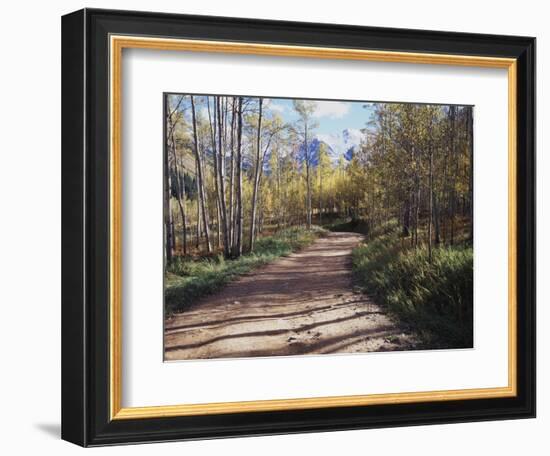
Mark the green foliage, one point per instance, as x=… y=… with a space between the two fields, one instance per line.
x=361 y=226
x=433 y=298
x=349 y=225
x=189 y=279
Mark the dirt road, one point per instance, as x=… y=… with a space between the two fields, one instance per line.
x=301 y=304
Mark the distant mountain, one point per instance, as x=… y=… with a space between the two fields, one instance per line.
x=350 y=153
x=314 y=147
x=346 y=144
x=351 y=142
x=347 y=136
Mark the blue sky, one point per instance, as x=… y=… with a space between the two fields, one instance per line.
x=333 y=118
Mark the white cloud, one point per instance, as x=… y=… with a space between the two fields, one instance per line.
x=352 y=135
x=277 y=107
x=331 y=109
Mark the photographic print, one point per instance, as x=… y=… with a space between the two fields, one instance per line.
x=310 y=227
x=314 y=206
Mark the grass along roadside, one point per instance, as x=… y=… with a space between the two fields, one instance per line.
x=190 y=279
x=433 y=299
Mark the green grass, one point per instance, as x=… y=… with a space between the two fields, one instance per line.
x=433 y=299
x=189 y=279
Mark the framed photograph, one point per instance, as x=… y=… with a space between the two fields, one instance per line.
x=278 y=227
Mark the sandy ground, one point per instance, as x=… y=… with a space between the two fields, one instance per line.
x=301 y=304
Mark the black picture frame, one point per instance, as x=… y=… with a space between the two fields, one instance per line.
x=85 y=228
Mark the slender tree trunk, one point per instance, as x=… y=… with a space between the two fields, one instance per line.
x=444 y=196
x=213 y=124
x=437 y=239
x=200 y=176
x=308 y=180
x=180 y=196
x=199 y=206
x=453 y=182
x=320 y=194
x=260 y=218
x=281 y=217
x=218 y=224
x=173 y=234
x=231 y=222
x=417 y=199
x=431 y=217
x=221 y=170
x=409 y=201
x=256 y=177
x=238 y=247
x=471 y=169
x=407 y=217
x=168 y=240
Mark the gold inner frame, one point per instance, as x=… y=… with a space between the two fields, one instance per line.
x=117 y=44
